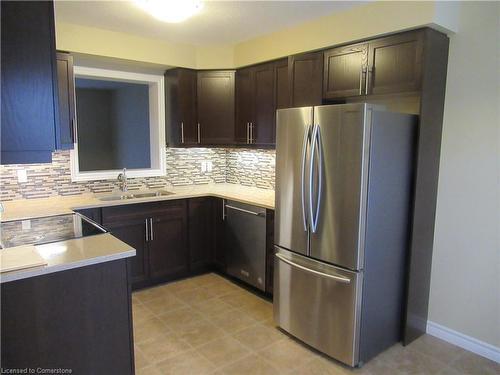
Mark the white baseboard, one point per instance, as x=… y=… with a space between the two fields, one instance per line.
x=466 y=342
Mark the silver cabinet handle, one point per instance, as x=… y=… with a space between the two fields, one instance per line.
x=152 y=237
x=251 y=133
x=303 y=175
x=248 y=132
x=199 y=133
x=362 y=73
x=147 y=230
x=182 y=132
x=368 y=71
x=243 y=210
x=340 y=279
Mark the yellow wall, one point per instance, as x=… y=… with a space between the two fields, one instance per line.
x=360 y=22
x=99 y=42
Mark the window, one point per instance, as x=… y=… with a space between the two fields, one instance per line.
x=120 y=124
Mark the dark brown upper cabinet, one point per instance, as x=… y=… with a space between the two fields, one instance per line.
x=29 y=82
x=65 y=135
x=255 y=105
x=262 y=130
x=345 y=71
x=282 y=92
x=305 y=74
x=181 y=119
x=245 y=82
x=216 y=109
x=395 y=63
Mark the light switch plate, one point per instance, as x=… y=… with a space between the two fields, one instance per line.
x=203 y=166
x=26 y=224
x=22 y=176
x=209 y=165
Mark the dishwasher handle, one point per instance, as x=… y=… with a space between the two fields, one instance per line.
x=245 y=211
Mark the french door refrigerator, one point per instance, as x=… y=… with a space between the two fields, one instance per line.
x=343 y=199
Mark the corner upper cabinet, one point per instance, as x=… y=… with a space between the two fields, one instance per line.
x=395 y=63
x=216 y=109
x=182 y=128
x=65 y=134
x=345 y=71
x=29 y=84
x=305 y=72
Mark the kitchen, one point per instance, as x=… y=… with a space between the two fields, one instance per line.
x=275 y=179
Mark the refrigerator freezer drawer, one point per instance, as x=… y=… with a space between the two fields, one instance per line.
x=319 y=304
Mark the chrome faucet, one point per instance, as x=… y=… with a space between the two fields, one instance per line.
x=122 y=179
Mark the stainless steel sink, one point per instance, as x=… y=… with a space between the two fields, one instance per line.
x=127 y=196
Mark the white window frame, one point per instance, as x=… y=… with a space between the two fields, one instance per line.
x=156 y=124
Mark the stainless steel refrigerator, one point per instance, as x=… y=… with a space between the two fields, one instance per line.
x=343 y=199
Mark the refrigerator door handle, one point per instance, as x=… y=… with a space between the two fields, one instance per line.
x=303 y=175
x=315 y=149
x=320 y=176
x=340 y=279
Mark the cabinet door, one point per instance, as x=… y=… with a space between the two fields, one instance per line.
x=269 y=251
x=181 y=107
x=282 y=92
x=306 y=79
x=133 y=233
x=65 y=135
x=215 y=92
x=395 y=63
x=29 y=83
x=219 y=243
x=244 y=104
x=345 y=71
x=262 y=131
x=168 y=251
x=201 y=233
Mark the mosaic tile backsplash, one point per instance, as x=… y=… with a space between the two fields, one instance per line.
x=236 y=166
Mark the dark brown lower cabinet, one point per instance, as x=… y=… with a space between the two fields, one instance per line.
x=219 y=260
x=201 y=229
x=168 y=253
x=79 y=319
x=133 y=233
x=158 y=232
x=269 y=251
x=175 y=239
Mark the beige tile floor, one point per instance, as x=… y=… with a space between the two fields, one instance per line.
x=209 y=325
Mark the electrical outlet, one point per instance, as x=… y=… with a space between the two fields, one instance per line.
x=22 y=176
x=203 y=166
x=209 y=165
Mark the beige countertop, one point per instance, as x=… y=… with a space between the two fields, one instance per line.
x=74 y=253
x=31 y=208
x=79 y=252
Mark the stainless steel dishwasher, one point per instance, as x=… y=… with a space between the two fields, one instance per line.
x=245 y=241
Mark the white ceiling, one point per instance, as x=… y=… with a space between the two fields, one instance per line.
x=219 y=22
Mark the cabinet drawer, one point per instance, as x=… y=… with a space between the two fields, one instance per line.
x=142 y=210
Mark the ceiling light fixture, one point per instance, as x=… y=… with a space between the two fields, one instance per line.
x=172 y=11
